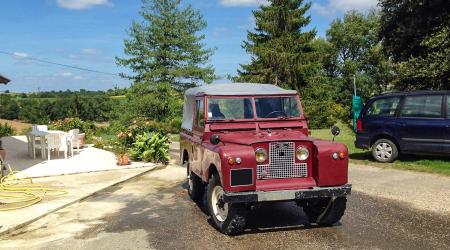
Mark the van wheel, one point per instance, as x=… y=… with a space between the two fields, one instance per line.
x=196 y=189
x=384 y=150
x=325 y=211
x=227 y=218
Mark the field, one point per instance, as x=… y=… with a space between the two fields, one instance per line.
x=430 y=164
x=19 y=127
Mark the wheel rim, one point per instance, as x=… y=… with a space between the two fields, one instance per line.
x=220 y=208
x=383 y=151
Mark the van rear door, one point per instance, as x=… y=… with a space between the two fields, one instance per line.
x=447 y=126
x=421 y=124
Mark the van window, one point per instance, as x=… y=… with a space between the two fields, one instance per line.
x=383 y=107
x=448 y=107
x=200 y=114
x=422 y=106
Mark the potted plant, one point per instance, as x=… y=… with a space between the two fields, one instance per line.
x=121 y=155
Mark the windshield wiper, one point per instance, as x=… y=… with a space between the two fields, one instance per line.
x=285 y=117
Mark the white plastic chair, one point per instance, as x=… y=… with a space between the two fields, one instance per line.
x=73 y=141
x=36 y=127
x=33 y=144
x=57 y=141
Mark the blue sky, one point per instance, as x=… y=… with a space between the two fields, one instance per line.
x=90 y=33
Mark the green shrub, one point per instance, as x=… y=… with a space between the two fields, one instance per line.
x=74 y=123
x=150 y=147
x=6 y=130
x=320 y=113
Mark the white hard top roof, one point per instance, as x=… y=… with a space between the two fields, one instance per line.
x=238 y=89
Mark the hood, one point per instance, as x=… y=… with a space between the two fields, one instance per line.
x=252 y=137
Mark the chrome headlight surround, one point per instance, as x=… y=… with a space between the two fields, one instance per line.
x=260 y=155
x=302 y=153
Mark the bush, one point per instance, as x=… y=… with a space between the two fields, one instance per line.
x=6 y=130
x=150 y=147
x=74 y=123
x=320 y=113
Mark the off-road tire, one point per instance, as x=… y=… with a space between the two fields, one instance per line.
x=196 y=188
x=235 y=221
x=320 y=210
x=390 y=147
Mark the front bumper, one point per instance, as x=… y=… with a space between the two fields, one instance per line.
x=287 y=195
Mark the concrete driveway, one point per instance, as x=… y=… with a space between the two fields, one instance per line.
x=154 y=211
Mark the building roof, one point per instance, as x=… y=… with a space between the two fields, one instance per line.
x=4 y=80
x=227 y=89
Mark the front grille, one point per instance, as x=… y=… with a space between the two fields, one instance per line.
x=281 y=163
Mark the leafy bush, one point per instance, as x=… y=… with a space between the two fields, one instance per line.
x=6 y=130
x=74 y=123
x=127 y=133
x=150 y=147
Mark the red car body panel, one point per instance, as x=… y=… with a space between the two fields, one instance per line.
x=241 y=138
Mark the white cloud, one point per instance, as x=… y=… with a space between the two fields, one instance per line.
x=250 y=24
x=89 y=51
x=67 y=74
x=243 y=2
x=82 y=4
x=78 y=78
x=20 y=54
x=343 y=6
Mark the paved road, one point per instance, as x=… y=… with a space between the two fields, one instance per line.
x=153 y=211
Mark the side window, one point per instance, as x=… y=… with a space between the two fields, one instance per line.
x=385 y=107
x=422 y=106
x=448 y=107
x=200 y=114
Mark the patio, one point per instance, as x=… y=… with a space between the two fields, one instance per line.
x=88 y=159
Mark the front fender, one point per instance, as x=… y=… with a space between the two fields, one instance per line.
x=326 y=170
x=247 y=156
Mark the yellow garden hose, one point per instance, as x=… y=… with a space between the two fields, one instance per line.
x=18 y=191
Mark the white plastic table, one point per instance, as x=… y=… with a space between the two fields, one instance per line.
x=41 y=135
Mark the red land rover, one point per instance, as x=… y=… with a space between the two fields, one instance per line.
x=247 y=143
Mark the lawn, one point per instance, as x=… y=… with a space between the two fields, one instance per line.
x=430 y=164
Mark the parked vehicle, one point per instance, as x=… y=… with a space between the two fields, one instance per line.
x=249 y=143
x=405 y=122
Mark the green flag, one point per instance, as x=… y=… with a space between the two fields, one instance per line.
x=357 y=105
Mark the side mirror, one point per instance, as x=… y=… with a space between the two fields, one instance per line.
x=214 y=139
x=335 y=131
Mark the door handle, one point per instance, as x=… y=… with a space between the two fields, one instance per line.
x=401 y=124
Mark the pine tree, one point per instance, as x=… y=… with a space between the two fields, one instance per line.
x=166 y=47
x=281 y=53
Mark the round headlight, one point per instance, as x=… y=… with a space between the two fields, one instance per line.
x=260 y=155
x=302 y=153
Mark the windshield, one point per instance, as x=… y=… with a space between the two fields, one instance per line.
x=229 y=108
x=273 y=107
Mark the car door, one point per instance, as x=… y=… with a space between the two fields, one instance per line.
x=421 y=124
x=447 y=126
x=379 y=118
x=197 y=137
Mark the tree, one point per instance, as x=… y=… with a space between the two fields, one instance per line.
x=416 y=35
x=281 y=53
x=357 y=53
x=166 y=47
